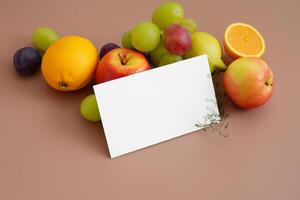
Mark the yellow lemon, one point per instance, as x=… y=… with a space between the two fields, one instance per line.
x=70 y=63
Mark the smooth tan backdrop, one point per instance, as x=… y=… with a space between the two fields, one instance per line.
x=47 y=151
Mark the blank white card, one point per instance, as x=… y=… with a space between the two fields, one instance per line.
x=153 y=106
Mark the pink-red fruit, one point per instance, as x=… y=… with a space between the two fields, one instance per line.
x=176 y=39
x=248 y=82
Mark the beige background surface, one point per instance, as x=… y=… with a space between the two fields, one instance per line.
x=47 y=151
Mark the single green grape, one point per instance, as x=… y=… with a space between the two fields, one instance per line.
x=157 y=53
x=167 y=14
x=126 y=40
x=89 y=109
x=145 y=36
x=43 y=37
x=188 y=24
x=168 y=58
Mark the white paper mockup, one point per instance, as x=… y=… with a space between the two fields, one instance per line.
x=156 y=105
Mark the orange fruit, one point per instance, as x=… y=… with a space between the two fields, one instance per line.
x=70 y=63
x=243 y=40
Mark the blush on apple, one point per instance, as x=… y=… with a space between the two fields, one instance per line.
x=176 y=39
x=248 y=82
x=120 y=62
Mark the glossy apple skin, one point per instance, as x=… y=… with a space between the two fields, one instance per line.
x=176 y=39
x=120 y=62
x=248 y=82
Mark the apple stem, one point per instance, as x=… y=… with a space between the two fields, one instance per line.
x=123 y=59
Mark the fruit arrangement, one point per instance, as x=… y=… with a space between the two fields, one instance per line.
x=71 y=62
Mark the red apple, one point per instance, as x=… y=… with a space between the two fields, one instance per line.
x=176 y=39
x=248 y=82
x=120 y=62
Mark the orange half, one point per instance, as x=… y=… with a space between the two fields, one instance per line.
x=243 y=40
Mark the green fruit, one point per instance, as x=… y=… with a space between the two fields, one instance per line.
x=89 y=109
x=167 y=14
x=43 y=37
x=126 y=40
x=204 y=43
x=157 y=53
x=145 y=36
x=189 y=24
x=168 y=59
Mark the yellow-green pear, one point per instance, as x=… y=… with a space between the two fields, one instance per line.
x=205 y=43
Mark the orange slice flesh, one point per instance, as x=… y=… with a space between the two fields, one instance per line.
x=243 y=40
